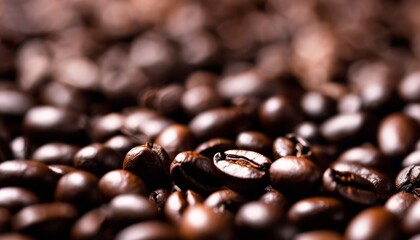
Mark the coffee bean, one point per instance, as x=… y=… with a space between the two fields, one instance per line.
x=411 y=220
x=399 y=203
x=309 y=131
x=55 y=153
x=409 y=87
x=165 y=100
x=61 y=170
x=64 y=96
x=295 y=176
x=104 y=127
x=377 y=96
x=150 y=162
x=15 y=236
x=199 y=99
x=121 y=144
x=98 y=159
x=46 y=220
x=225 y=200
x=276 y=198
x=16 y=198
x=91 y=226
x=412 y=110
x=366 y=155
x=254 y=141
x=177 y=202
x=14 y=103
x=148 y=230
x=317 y=106
x=190 y=170
x=373 y=223
x=318 y=213
x=159 y=197
x=412 y=159
x=243 y=171
x=349 y=103
x=21 y=147
x=212 y=146
x=319 y=235
x=408 y=180
x=119 y=182
x=357 y=183
x=290 y=145
x=175 y=139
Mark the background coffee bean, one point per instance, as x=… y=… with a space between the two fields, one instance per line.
x=55 y=153
x=411 y=220
x=399 y=203
x=148 y=230
x=408 y=180
x=290 y=145
x=91 y=226
x=212 y=146
x=319 y=235
x=177 y=202
x=412 y=159
x=366 y=155
x=104 y=127
x=121 y=144
x=119 y=182
x=159 y=197
x=317 y=106
x=15 y=198
x=175 y=139
x=225 y=200
x=254 y=141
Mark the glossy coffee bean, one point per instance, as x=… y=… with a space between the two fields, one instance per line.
x=199 y=99
x=408 y=180
x=411 y=220
x=397 y=135
x=105 y=127
x=175 y=139
x=29 y=174
x=14 y=103
x=21 y=147
x=219 y=122
x=276 y=198
x=290 y=145
x=150 y=162
x=46 y=220
x=64 y=96
x=98 y=159
x=61 y=170
x=159 y=197
x=212 y=146
x=373 y=223
x=409 y=87
x=165 y=100
x=177 y=202
x=243 y=171
x=16 y=198
x=121 y=144
x=278 y=116
x=148 y=230
x=399 y=203
x=258 y=220
x=119 y=182
x=317 y=106
x=55 y=153
x=412 y=110
x=319 y=235
x=411 y=159
x=47 y=123
x=254 y=141
x=92 y=225
x=377 y=96
x=357 y=183
x=318 y=213
x=366 y=155
x=190 y=170
x=211 y=225
x=309 y=131
x=225 y=200
x=295 y=176
x=79 y=188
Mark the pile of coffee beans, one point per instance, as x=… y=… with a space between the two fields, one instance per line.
x=209 y=119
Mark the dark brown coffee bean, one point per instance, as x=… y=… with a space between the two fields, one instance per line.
x=159 y=197
x=212 y=225
x=16 y=198
x=119 y=182
x=366 y=155
x=177 y=202
x=212 y=146
x=104 y=127
x=409 y=87
x=276 y=198
x=318 y=213
x=412 y=110
x=412 y=159
x=243 y=171
x=148 y=230
x=79 y=188
x=295 y=176
x=199 y=99
x=397 y=135
x=399 y=203
x=21 y=147
x=61 y=170
x=55 y=153
x=165 y=100
x=309 y=131
x=254 y=141
x=319 y=235
x=377 y=96
x=190 y=170
x=373 y=223
x=290 y=145
x=349 y=103
x=64 y=96
x=121 y=144
x=14 y=103
x=150 y=162
x=411 y=220
x=98 y=159
x=225 y=200
x=357 y=183
x=408 y=180
x=46 y=220
x=317 y=106
x=175 y=139
x=91 y=226
x=47 y=123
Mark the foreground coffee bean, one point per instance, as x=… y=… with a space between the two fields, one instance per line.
x=399 y=203
x=373 y=223
x=295 y=176
x=55 y=153
x=411 y=221
x=148 y=230
x=175 y=139
x=159 y=197
x=243 y=171
x=276 y=198
x=290 y=145
x=119 y=182
x=177 y=202
x=16 y=198
x=190 y=170
x=408 y=180
x=225 y=200
x=319 y=235
x=91 y=226
x=357 y=183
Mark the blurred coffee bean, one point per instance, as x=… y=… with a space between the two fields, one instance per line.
x=61 y=170
x=190 y=170
x=91 y=225
x=175 y=139
x=349 y=103
x=16 y=198
x=64 y=96
x=254 y=141
x=105 y=127
x=214 y=145
x=319 y=235
x=166 y=100
x=309 y=131
x=408 y=180
x=399 y=203
x=317 y=106
x=290 y=145
x=412 y=159
x=118 y=182
x=121 y=144
x=412 y=110
x=15 y=236
x=411 y=220
x=177 y=202
x=409 y=87
x=55 y=153
x=276 y=198
x=78 y=72
x=148 y=230
x=225 y=200
x=366 y=155
x=21 y=147
x=14 y=103
x=243 y=171
x=199 y=99
x=378 y=96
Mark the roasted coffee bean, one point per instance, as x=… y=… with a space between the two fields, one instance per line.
x=14 y=103
x=199 y=99
x=225 y=200
x=373 y=223
x=318 y=213
x=61 y=170
x=177 y=202
x=119 y=182
x=409 y=87
x=290 y=145
x=243 y=171
x=46 y=220
x=55 y=153
x=411 y=220
x=276 y=198
x=212 y=146
x=79 y=188
x=295 y=176
x=319 y=235
x=219 y=122
x=366 y=155
x=21 y=147
x=278 y=116
x=412 y=159
x=408 y=180
x=399 y=203
x=175 y=139
x=254 y=141
x=359 y=184
x=165 y=100
x=5 y=219
x=16 y=198
x=105 y=127
x=412 y=110
x=29 y=174
x=121 y=144
x=211 y=225
x=377 y=95
x=397 y=135
x=47 y=123
x=148 y=230
x=92 y=225
x=190 y=170
x=159 y=197
x=317 y=106
x=309 y=131
x=64 y=96
x=150 y=162
x=98 y=159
